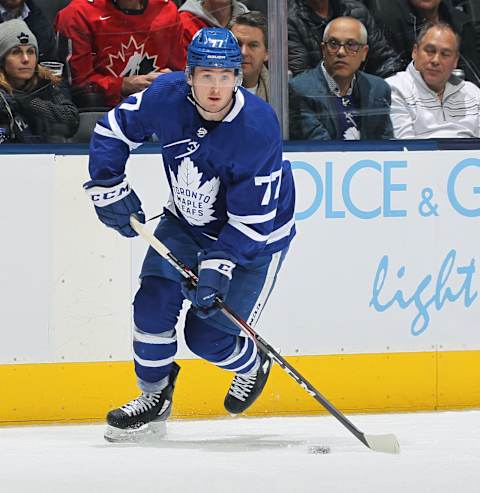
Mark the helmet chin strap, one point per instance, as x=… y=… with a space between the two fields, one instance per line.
x=207 y=111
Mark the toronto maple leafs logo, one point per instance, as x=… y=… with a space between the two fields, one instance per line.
x=194 y=200
x=131 y=60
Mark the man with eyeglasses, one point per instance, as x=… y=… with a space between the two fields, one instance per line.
x=427 y=101
x=307 y=20
x=335 y=100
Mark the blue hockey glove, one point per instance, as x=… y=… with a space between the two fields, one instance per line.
x=214 y=276
x=114 y=203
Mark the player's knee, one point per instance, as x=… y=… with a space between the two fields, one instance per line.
x=195 y=334
x=207 y=341
x=157 y=305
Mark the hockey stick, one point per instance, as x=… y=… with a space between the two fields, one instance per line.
x=379 y=443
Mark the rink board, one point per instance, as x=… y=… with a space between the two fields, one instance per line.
x=377 y=303
x=354 y=383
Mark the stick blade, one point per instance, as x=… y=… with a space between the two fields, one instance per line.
x=383 y=443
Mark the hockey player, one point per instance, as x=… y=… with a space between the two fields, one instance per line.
x=230 y=214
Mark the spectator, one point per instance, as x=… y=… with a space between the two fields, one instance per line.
x=306 y=23
x=36 y=21
x=427 y=102
x=121 y=46
x=402 y=20
x=196 y=14
x=335 y=100
x=32 y=100
x=250 y=29
x=259 y=5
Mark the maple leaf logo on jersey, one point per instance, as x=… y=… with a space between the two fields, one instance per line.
x=194 y=200
x=131 y=60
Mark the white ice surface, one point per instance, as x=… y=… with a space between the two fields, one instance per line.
x=440 y=453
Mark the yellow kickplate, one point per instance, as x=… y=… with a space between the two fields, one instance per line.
x=79 y=392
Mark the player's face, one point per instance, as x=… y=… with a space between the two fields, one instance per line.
x=254 y=52
x=343 y=51
x=20 y=63
x=213 y=90
x=435 y=57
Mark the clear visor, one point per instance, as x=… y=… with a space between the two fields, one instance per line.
x=214 y=77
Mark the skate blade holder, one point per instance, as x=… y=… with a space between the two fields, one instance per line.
x=145 y=433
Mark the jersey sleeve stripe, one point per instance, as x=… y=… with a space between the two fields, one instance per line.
x=133 y=106
x=251 y=233
x=275 y=235
x=118 y=132
x=106 y=132
x=253 y=219
x=281 y=232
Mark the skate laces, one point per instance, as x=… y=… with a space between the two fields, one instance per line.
x=242 y=386
x=143 y=403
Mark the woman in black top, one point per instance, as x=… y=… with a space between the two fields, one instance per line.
x=35 y=104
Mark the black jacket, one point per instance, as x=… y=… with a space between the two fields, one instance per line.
x=44 y=32
x=305 y=33
x=44 y=115
x=401 y=24
x=313 y=109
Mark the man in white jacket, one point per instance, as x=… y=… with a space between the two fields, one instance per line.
x=427 y=100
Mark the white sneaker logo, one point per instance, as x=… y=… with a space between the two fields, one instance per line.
x=102 y=18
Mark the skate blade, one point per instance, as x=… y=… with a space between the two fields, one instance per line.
x=143 y=434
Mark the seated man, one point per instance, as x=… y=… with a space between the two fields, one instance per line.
x=37 y=22
x=427 y=102
x=306 y=26
x=335 y=100
x=403 y=20
x=250 y=29
x=121 y=46
x=196 y=14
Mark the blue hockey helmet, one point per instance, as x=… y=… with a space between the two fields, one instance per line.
x=214 y=47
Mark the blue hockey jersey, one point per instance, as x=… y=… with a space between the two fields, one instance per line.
x=227 y=179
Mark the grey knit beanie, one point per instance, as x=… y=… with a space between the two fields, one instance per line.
x=14 y=33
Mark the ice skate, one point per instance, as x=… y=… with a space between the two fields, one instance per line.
x=245 y=389
x=142 y=418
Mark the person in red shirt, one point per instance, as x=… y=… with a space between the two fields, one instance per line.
x=121 y=46
x=196 y=14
